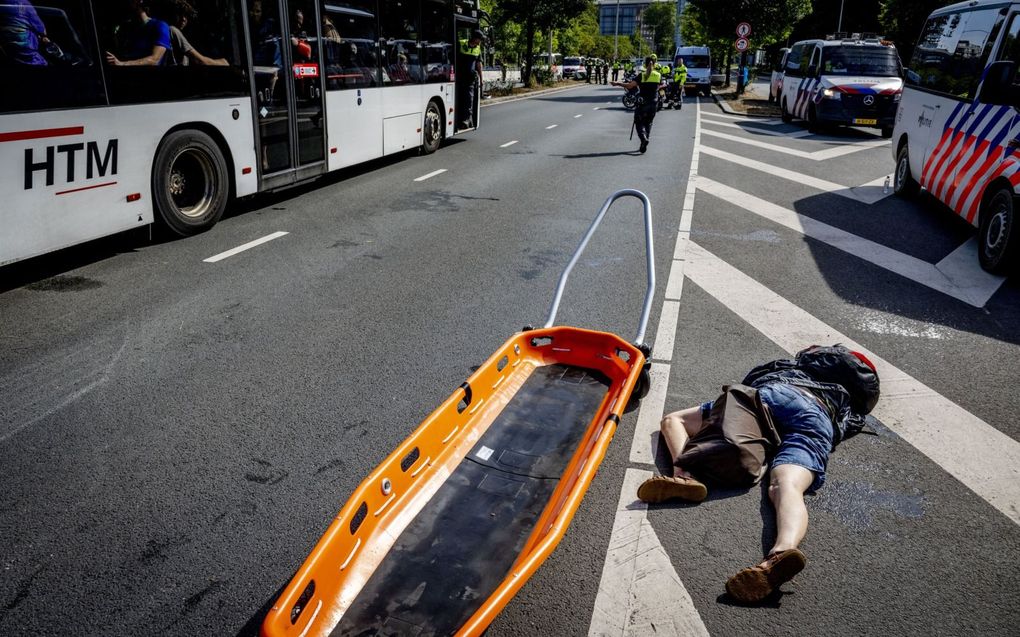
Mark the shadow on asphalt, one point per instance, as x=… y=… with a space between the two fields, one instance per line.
x=38 y=270
x=632 y=153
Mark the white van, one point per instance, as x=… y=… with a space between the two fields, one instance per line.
x=573 y=68
x=776 y=81
x=855 y=81
x=698 y=60
x=957 y=136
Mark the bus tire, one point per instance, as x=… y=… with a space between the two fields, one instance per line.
x=190 y=182
x=432 y=129
x=998 y=234
x=785 y=114
x=904 y=184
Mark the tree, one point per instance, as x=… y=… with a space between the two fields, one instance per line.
x=660 y=18
x=534 y=15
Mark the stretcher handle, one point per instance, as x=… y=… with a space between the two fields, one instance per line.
x=649 y=254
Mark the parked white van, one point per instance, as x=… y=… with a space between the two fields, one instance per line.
x=698 y=60
x=958 y=126
x=776 y=80
x=855 y=81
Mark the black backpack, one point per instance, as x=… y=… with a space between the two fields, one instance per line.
x=837 y=364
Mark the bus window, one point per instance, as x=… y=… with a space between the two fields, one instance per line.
x=401 y=64
x=48 y=56
x=174 y=50
x=437 y=41
x=350 y=45
x=951 y=53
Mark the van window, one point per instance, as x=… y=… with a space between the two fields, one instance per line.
x=950 y=55
x=857 y=60
x=793 y=61
x=696 y=61
x=816 y=56
x=1010 y=49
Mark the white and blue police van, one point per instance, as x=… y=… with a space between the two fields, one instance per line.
x=854 y=81
x=698 y=60
x=957 y=129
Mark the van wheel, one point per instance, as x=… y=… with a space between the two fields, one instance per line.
x=887 y=132
x=998 y=233
x=432 y=129
x=904 y=183
x=190 y=184
x=785 y=114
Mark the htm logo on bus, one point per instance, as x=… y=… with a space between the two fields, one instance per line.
x=69 y=158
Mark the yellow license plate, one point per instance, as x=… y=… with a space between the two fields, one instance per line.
x=866 y=122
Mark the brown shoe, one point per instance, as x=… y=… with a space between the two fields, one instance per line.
x=662 y=488
x=753 y=584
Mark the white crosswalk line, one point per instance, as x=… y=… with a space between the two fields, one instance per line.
x=984 y=459
x=971 y=286
x=751 y=120
x=869 y=193
x=645 y=443
x=762 y=131
x=639 y=577
x=818 y=155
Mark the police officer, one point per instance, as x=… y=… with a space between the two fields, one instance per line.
x=616 y=70
x=469 y=76
x=588 y=67
x=679 y=80
x=648 y=85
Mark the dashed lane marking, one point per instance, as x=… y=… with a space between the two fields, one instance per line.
x=818 y=155
x=970 y=285
x=869 y=193
x=431 y=174
x=578 y=115
x=981 y=457
x=241 y=248
x=551 y=126
x=508 y=144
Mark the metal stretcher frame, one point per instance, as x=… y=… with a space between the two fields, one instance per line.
x=363 y=575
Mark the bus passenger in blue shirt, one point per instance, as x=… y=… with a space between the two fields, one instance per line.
x=143 y=40
x=21 y=32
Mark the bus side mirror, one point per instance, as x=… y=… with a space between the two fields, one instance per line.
x=997 y=88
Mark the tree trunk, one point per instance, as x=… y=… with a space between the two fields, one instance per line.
x=729 y=60
x=529 y=30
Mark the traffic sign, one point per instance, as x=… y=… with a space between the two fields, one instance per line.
x=741 y=44
x=744 y=29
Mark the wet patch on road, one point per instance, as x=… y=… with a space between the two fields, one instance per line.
x=65 y=283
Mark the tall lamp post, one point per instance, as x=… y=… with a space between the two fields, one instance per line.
x=616 y=33
x=839 y=28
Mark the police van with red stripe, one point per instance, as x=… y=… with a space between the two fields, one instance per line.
x=854 y=81
x=958 y=126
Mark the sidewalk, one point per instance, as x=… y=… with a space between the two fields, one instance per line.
x=754 y=102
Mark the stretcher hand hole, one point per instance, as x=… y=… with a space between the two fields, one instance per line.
x=408 y=461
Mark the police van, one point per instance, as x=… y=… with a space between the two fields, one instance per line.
x=854 y=81
x=776 y=80
x=698 y=60
x=958 y=125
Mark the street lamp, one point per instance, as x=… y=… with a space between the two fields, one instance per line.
x=839 y=28
x=616 y=33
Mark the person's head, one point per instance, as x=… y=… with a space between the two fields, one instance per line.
x=650 y=62
x=180 y=12
x=299 y=19
x=476 y=37
x=681 y=63
x=137 y=7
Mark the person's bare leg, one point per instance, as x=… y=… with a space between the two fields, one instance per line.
x=787 y=484
x=677 y=428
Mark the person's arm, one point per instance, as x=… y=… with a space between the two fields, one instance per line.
x=627 y=85
x=153 y=59
x=198 y=58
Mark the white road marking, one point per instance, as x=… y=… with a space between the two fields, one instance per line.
x=762 y=131
x=749 y=120
x=818 y=155
x=551 y=126
x=576 y=116
x=596 y=108
x=869 y=193
x=508 y=144
x=431 y=174
x=242 y=248
x=640 y=593
x=972 y=286
x=981 y=457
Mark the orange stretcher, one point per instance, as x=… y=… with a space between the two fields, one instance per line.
x=444 y=532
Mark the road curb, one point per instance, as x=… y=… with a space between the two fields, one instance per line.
x=516 y=98
x=726 y=108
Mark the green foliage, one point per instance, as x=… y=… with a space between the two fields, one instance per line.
x=661 y=16
x=536 y=16
x=770 y=21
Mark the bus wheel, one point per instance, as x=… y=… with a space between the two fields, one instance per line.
x=904 y=184
x=785 y=114
x=190 y=184
x=998 y=232
x=432 y=129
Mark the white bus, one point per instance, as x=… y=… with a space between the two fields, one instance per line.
x=119 y=113
x=958 y=125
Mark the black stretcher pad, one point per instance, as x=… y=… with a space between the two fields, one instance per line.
x=458 y=549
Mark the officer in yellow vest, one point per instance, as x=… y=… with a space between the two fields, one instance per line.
x=469 y=77
x=679 y=80
x=648 y=85
x=616 y=70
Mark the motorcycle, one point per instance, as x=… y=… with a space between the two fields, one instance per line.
x=674 y=96
x=630 y=96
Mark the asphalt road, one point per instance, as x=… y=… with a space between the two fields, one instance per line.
x=176 y=435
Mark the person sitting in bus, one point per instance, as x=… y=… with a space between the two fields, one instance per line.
x=22 y=33
x=183 y=52
x=142 y=40
x=400 y=73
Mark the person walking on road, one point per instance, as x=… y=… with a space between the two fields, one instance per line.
x=616 y=70
x=469 y=76
x=795 y=411
x=647 y=84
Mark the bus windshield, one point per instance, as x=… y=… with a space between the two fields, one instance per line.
x=871 y=61
x=695 y=61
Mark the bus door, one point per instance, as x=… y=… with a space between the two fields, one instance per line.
x=288 y=87
x=469 y=91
